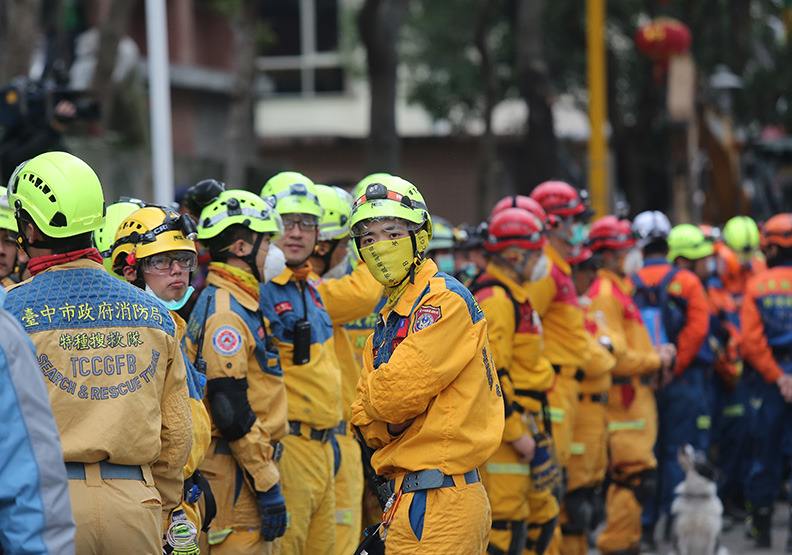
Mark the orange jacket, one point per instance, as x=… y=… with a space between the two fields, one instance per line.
x=766 y=322
x=554 y=299
x=688 y=286
x=611 y=296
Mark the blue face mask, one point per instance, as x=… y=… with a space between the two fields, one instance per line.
x=175 y=304
x=445 y=263
x=578 y=234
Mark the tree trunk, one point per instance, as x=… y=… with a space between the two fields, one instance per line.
x=20 y=26
x=111 y=32
x=239 y=129
x=379 y=23
x=540 y=155
x=489 y=166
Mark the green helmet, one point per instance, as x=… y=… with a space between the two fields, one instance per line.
x=104 y=237
x=393 y=197
x=236 y=206
x=443 y=236
x=293 y=193
x=60 y=192
x=360 y=188
x=741 y=234
x=688 y=241
x=337 y=204
x=7 y=220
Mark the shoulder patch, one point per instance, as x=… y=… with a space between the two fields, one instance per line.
x=425 y=317
x=285 y=306
x=227 y=340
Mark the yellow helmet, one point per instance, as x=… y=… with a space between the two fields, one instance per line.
x=105 y=236
x=149 y=231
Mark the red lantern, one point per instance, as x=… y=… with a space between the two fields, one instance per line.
x=663 y=38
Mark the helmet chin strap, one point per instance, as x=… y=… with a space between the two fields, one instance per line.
x=250 y=258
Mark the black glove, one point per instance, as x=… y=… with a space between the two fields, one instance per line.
x=273 y=513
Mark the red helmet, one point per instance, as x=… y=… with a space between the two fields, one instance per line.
x=610 y=232
x=520 y=201
x=560 y=199
x=579 y=255
x=514 y=227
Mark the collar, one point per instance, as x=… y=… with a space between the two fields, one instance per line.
x=76 y=264
x=622 y=283
x=243 y=297
x=405 y=303
x=557 y=260
x=181 y=325
x=517 y=291
x=655 y=261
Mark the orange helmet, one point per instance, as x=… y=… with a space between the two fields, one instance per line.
x=728 y=267
x=777 y=231
x=711 y=232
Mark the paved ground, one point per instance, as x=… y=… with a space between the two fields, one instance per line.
x=734 y=539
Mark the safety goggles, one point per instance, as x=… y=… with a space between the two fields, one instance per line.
x=172 y=222
x=163 y=263
x=307 y=222
x=388 y=225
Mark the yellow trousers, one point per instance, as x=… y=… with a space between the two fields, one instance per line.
x=507 y=481
x=444 y=521
x=116 y=516
x=348 y=495
x=563 y=400
x=632 y=432
x=307 y=483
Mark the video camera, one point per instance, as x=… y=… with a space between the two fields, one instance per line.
x=27 y=102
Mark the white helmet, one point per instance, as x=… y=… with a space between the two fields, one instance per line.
x=651 y=225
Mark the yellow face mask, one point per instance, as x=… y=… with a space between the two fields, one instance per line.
x=390 y=261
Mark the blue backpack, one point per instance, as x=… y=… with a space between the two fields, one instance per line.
x=663 y=313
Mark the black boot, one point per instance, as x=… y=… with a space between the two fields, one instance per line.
x=761 y=524
x=647 y=543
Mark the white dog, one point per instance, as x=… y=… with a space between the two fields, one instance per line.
x=697 y=510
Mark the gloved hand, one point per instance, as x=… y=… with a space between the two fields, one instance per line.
x=273 y=513
x=180 y=537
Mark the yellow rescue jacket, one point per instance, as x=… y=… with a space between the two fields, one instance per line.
x=429 y=360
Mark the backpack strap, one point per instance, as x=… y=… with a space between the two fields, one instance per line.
x=479 y=284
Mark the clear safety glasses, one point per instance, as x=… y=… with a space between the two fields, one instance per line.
x=163 y=263
x=307 y=222
x=388 y=225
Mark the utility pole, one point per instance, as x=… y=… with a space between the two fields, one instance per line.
x=597 y=79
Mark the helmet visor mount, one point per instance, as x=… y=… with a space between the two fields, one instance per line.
x=182 y=223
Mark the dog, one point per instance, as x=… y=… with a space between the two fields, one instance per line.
x=697 y=510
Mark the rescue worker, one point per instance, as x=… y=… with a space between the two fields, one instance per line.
x=741 y=234
x=115 y=373
x=766 y=319
x=730 y=424
x=441 y=247
x=543 y=533
x=514 y=243
x=588 y=461
x=348 y=296
x=105 y=236
x=244 y=389
x=11 y=257
x=683 y=405
x=303 y=333
x=428 y=399
x=469 y=254
x=554 y=299
x=153 y=250
x=631 y=411
x=35 y=515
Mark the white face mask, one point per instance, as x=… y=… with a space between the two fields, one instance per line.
x=540 y=269
x=274 y=264
x=337 y=271
x=712 y=266
x=174 y=304
x=632 y=262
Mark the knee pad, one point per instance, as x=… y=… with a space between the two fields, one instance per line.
x=579 y=510
x=646 y=487
x=546 y=531
x=230 y=407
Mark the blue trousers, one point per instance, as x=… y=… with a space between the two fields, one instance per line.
x=683 y=414
x=731 y=420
